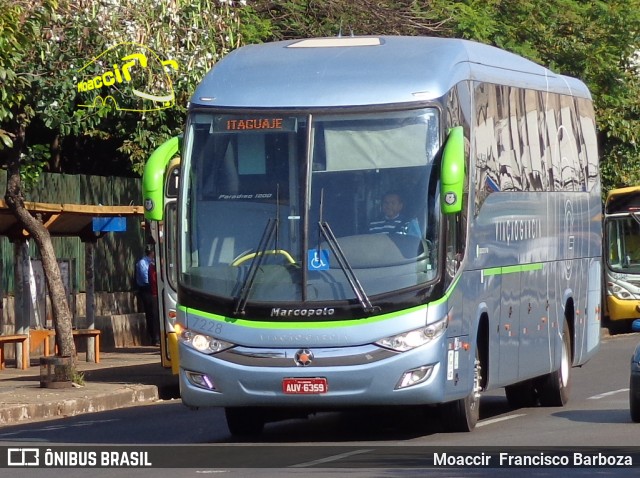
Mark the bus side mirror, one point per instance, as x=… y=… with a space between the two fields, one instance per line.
x=153 y=179
x=452 y=172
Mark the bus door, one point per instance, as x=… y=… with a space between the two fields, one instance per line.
x=166 y=248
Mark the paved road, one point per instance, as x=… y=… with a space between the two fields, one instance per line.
x=596 y=416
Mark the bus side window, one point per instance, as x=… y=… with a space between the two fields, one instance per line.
x=454 y=248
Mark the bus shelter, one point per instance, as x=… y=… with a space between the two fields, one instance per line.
x=87 y=222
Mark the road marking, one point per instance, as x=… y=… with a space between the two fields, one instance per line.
x=329 y=459
x=501 y=419
x=607 y=394
x=52 y=428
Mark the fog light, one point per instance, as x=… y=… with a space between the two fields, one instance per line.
x=200 y=380
x=415 y=376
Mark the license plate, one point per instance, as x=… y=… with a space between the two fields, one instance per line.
x=304 y=386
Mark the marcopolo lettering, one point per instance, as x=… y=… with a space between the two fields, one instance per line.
x=325 y=311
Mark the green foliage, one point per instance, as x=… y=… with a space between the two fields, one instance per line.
x=43 y=44
x=594 y=41
x=34 y=160
x=77 y=377
x=310 y=18
x=20 y=24
x=42 y=52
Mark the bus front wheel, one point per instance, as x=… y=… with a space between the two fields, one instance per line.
x=243 y=421
x=462 y=415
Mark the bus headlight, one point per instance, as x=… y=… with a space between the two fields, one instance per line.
x=204 y=343
x=619 y=292
x=414 y=338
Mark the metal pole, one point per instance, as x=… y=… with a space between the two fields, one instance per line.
x=89 y=262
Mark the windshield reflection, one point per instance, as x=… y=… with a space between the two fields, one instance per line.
x=623 y=236
x=260 y=195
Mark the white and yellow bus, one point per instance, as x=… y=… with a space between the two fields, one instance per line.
x=622 y=255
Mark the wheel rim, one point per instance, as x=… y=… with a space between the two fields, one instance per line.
x=475 y=396
x=565 y=367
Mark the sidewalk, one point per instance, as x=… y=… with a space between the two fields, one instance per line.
x=123 y=377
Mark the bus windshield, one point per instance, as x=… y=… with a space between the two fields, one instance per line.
x=623 y=238
x=280 y=207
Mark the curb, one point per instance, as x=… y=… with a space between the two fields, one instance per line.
x=119 y=398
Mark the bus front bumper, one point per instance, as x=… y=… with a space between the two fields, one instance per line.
x=207 y=381
x=618 y=309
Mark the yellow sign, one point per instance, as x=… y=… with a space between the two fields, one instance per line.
x=130 y=77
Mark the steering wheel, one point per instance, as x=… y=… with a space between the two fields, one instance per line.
x=247 y=256
x=429 y=245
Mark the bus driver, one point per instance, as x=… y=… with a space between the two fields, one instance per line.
x=393 y=221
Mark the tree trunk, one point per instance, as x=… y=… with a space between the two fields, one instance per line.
x=55 y=163
x=14 y=198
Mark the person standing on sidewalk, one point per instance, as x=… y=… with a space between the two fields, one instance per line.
x=153 y=282
x=146 y=294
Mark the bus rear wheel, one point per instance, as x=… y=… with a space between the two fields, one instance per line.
x=244 y=421
x=555 y=387
x=462 y=415
x=522 y=395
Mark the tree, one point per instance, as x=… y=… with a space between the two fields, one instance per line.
x=20 y=25
x=192 y=33
x=42 y=45
x=310 y=18
x=594 y=41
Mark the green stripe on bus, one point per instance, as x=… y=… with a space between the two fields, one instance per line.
x=496 y=271
x=312 y=324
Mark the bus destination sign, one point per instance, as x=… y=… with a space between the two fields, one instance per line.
x=233 y=124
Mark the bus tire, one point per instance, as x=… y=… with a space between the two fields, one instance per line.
x=555 y=387
x=242 y=421
x=521 y=395
x=462 y=415
x=634 y=398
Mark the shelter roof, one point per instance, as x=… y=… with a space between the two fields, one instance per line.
x=75 y=220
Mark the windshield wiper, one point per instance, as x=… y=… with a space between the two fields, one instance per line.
x=269 y=230
x=358 y=290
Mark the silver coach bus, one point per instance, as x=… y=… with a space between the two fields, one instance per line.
x=289 y=302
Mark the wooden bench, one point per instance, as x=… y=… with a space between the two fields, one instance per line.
x=41 y=337
x=90 y=334
x=14 y=339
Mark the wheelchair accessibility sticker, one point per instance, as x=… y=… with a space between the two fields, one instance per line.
x=128 y=77
x=318 y=260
